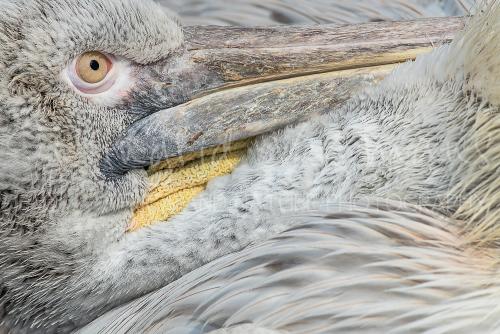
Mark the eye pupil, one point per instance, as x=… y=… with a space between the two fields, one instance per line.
x=94 y=65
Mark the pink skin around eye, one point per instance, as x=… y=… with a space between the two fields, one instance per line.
x=123 y=94
x=97 y=88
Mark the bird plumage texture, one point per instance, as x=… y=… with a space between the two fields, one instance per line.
x=371 y=267
x=426 y=135
x=56 y=208
x=275 y=12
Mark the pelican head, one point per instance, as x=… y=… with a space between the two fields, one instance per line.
x=94 y=92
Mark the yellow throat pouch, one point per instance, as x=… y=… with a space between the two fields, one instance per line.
x=175 y=182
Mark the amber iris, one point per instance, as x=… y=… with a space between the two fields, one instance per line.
x=93 y=67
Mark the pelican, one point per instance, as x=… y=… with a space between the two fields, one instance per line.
x=367 y=199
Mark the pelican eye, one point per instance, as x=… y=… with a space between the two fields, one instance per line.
x=94 y=72
x=93 y=67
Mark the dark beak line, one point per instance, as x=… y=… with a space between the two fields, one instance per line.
x=261 y=79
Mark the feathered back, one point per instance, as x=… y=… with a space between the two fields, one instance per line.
x=480 y=48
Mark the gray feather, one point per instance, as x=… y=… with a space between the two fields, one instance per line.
x=369 y=268
x=255 y=12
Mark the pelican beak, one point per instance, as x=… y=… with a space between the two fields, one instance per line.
x=231 y=84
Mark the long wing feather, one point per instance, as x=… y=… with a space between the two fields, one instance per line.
x=365 y=268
